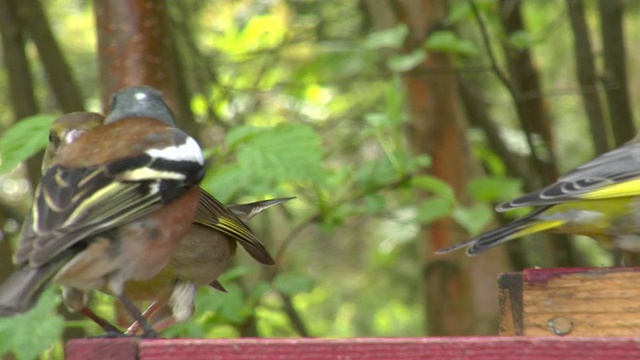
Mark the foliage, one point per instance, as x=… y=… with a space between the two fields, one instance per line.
x=14 y=146
x=29 y=334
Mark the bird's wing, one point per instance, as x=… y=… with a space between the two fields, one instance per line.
x=72 y=204
x=613 y=174
x=213 y=214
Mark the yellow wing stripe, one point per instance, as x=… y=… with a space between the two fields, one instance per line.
x=536 y=228
x=90 y=201
x=627 y=188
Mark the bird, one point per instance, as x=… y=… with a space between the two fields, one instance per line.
x=112 y=207
x=66 y=129
x=204 y=252
x=202 y=257
x=599 y=199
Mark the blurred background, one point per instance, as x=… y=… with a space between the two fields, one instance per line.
x=397 y=124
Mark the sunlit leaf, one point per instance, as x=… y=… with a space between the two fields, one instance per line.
x=282 y=153
x=24 y=139
x=199 y=105
x=225 y=181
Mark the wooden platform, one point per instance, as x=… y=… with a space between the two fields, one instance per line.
x=568 y=314
x=572 y=301
x=476 y=348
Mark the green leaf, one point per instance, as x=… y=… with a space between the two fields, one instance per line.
x=229 y=306
x=291 y=284
x=494 y=188
x=458 y=12
x=387 y=38
x=375 y=173
x=29 y=334
x=258 y=290
x=407 y=62
x=434 y=185
x=241 y=134
x=224 y=182
x=473 y=219
x=22 y=140
x=433 y=209
x=282 y=153
x=234 y=273
x=199 y=105
x=448 y=42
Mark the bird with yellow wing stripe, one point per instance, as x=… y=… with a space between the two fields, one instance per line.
x=204 y=253
x=599 y=199
x=100 y=213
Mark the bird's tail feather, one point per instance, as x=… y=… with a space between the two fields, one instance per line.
x=524 y=226
x=22 y=289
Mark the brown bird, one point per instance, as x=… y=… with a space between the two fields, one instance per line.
x=203 y=254
x=112 y=207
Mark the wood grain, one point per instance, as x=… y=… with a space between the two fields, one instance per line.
x=576 y=302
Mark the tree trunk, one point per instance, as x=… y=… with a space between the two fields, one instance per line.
x=586 y=74
x=615 y=75
x=460 y=292
x=535 y=119
x=61 y=79
x=21 y=94
x=135 y=48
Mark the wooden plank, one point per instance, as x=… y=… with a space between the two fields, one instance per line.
x=510 y=303
x=576 y=302
x=461 y=348
x=103 y=349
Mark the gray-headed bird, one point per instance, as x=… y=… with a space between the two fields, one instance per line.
x=599 y=199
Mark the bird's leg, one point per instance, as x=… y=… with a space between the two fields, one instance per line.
x=137 y=316
x=109 y=329
x=135 y=327
x=163 y=324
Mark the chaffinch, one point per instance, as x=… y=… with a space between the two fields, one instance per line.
x=204 y=252
x=600 y=199
x=113 y=207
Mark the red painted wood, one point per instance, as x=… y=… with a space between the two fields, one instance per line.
x=107 y=349
x=476 y=348
x=541 y=276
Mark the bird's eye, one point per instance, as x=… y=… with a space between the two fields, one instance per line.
x=53 y=138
